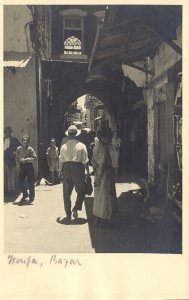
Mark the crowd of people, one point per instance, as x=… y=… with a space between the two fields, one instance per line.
x=69 y=164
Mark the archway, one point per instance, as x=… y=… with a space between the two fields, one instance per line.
x=65 y=82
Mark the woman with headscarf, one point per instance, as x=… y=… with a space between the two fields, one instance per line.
x=105 y=201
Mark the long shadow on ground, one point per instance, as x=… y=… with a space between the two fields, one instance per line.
x=10 y=197
x=133 y=232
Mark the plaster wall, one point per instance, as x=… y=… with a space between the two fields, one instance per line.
x=16 y=32
x=166 y=57
x=137 y=76
x=20 y=111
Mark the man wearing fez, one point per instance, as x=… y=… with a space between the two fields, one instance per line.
x=72 y=162
x=10 y=145
x=25 y=156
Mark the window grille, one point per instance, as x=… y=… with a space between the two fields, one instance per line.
x=72 y=45
x=73 y=35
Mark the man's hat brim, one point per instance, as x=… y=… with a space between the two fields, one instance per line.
x=77 y=133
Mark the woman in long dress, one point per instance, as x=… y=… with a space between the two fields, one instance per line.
x=105 y=201
x=114 y=150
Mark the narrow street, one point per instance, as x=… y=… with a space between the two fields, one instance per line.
x=34 y=228
x=95 y=66
x=95 y=85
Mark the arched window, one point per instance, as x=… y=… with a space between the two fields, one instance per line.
x=72 y=45
x=73 y=31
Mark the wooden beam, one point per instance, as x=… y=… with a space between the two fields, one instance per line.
x=125 y=60
x=145 y=34
x=109 y=44
x=113 y=36
x=137 y=105
x=139 y=68
x=127 y=41
x=107 y=52
x=134 y=55
x=113 y=39
x=114 y=59
x=139 y=45
x=129 y=25
x=173 y=45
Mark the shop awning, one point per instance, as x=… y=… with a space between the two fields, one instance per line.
x=130 y=33
x=16 y=59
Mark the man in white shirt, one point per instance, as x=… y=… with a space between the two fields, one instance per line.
x=73 y=160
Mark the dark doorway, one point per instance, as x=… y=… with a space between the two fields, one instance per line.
x=134 y=133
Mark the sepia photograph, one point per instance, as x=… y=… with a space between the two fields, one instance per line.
x=92 y=129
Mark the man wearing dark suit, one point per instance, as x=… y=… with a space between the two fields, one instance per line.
x=10 y=146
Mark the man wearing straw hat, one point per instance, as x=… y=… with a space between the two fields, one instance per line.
x=73 y=160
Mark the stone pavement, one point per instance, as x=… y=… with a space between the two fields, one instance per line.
x=34 y=228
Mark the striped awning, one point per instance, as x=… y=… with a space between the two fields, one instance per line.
x=16 y=59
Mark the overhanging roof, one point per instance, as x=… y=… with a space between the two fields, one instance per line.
x=131 y=33
x=16 y=59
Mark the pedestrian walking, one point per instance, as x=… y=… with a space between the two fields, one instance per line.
x=10 y=145
x=114 y=151
x=42 y=163
x=104 y=125
x=92 y=135
x=25 y=156
x=73 y=160
x=83 y=137
x=53 y=160
x=93 y=141
x=105 y=200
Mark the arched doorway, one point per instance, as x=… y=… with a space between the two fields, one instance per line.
x=64 y=82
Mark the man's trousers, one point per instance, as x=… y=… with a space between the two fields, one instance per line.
x=73 y=176
x=27 y=172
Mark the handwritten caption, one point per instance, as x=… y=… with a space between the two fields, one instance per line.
x=53 y=260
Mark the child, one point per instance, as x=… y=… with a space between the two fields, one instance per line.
x=25 y=155
x=52 y=160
